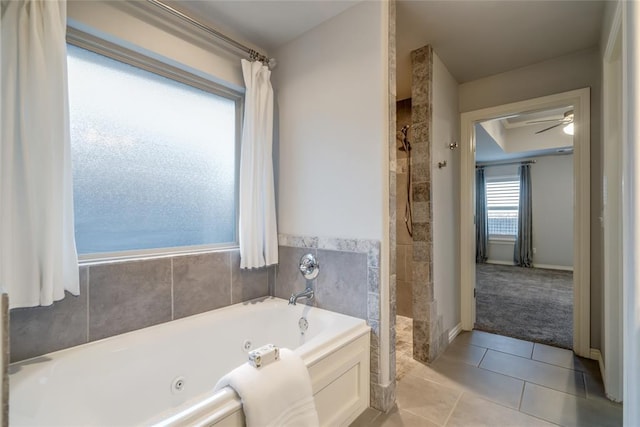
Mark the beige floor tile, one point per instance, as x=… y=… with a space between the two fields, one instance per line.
x=426 y=399
x=496 y=342
x=464 y=352
x=568 y=410
x=405 y=364
x=561 y=379
x=400 y=418
x=366 y=418
x=595 y=387
x=563 y=357
x=472 y=411
x=490 y=385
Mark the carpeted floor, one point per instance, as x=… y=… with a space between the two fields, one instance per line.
x=527 y=303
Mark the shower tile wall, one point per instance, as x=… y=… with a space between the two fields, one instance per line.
x=404 y=242
x=123 y=296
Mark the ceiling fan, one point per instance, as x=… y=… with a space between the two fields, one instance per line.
x=566 y=120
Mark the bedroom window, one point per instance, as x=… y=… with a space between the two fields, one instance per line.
x=154 y=159
x=502 y=207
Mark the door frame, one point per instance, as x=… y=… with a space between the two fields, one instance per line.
x=612 y=204
x=580 y=99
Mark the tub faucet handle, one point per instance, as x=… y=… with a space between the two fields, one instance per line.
x=309 y=266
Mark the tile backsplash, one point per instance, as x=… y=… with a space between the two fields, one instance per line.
x=123 y=296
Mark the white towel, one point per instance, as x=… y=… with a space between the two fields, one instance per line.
x=278 y=394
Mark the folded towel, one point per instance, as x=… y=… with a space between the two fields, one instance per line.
x=278 y=394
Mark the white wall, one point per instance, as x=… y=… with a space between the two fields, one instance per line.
x=552 y=199
x=496 y=131
x=143 y=28
x=446 y=194
x=574 y=71
x=331 y=94
x=552 y=194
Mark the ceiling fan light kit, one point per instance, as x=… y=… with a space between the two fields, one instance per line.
x=567 y=121
x=568 y=129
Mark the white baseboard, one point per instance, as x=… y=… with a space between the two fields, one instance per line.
x=454 y=332
x=545 y=266
x=499 y=262
x=554 y=267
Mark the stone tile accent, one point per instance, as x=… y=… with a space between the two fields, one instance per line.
x=39 y=330
x=201 y=283
x=248 y=284
x=349 y=270
x=128 y=296
x=121 y=296
x=342 y=282
x=429 y=336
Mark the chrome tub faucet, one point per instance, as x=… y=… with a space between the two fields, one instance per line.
x=307 y=294
x=309 y=268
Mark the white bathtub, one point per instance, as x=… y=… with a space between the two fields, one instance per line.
x=131 y=379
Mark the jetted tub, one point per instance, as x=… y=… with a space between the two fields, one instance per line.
x=164 y=375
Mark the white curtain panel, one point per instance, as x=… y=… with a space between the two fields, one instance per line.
x=258 y=231
x=38 y=259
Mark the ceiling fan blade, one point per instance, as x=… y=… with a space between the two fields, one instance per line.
x=543 y=121
x=549 y=128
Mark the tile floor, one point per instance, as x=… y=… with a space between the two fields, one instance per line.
x=490 y=380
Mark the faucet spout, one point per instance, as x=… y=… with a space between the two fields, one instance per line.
x=307 y=293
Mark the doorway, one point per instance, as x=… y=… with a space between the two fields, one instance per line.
x=578 y=100
x=524 y=226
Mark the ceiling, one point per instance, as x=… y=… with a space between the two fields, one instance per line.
x=266 y=24
x=474 y=38
x=520 y=129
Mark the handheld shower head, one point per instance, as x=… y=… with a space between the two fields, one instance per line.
x=406 y=145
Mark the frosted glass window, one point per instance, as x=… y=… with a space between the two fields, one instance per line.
x=154 y=160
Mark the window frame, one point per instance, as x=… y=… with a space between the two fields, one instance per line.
x=122 y=54
x=501 y=238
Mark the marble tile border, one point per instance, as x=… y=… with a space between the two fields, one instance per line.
x=372 y=249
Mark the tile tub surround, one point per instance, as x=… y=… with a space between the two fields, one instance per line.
x=349 y=270
x=123 y=296
x=429 y=336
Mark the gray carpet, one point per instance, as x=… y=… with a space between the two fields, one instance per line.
x=527 y=303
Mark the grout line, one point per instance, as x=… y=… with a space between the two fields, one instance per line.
x=535 y=383
x=230 y=279
x=486 y=350
x=524 y=383
x=173 y=317
x=539 y=361
x=88 y=299
x=419 y=416
x=453 y=408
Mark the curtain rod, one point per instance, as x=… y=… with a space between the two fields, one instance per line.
x=253 y=54
x=523 y=162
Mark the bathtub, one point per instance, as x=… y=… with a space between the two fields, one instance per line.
x=164 y=375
